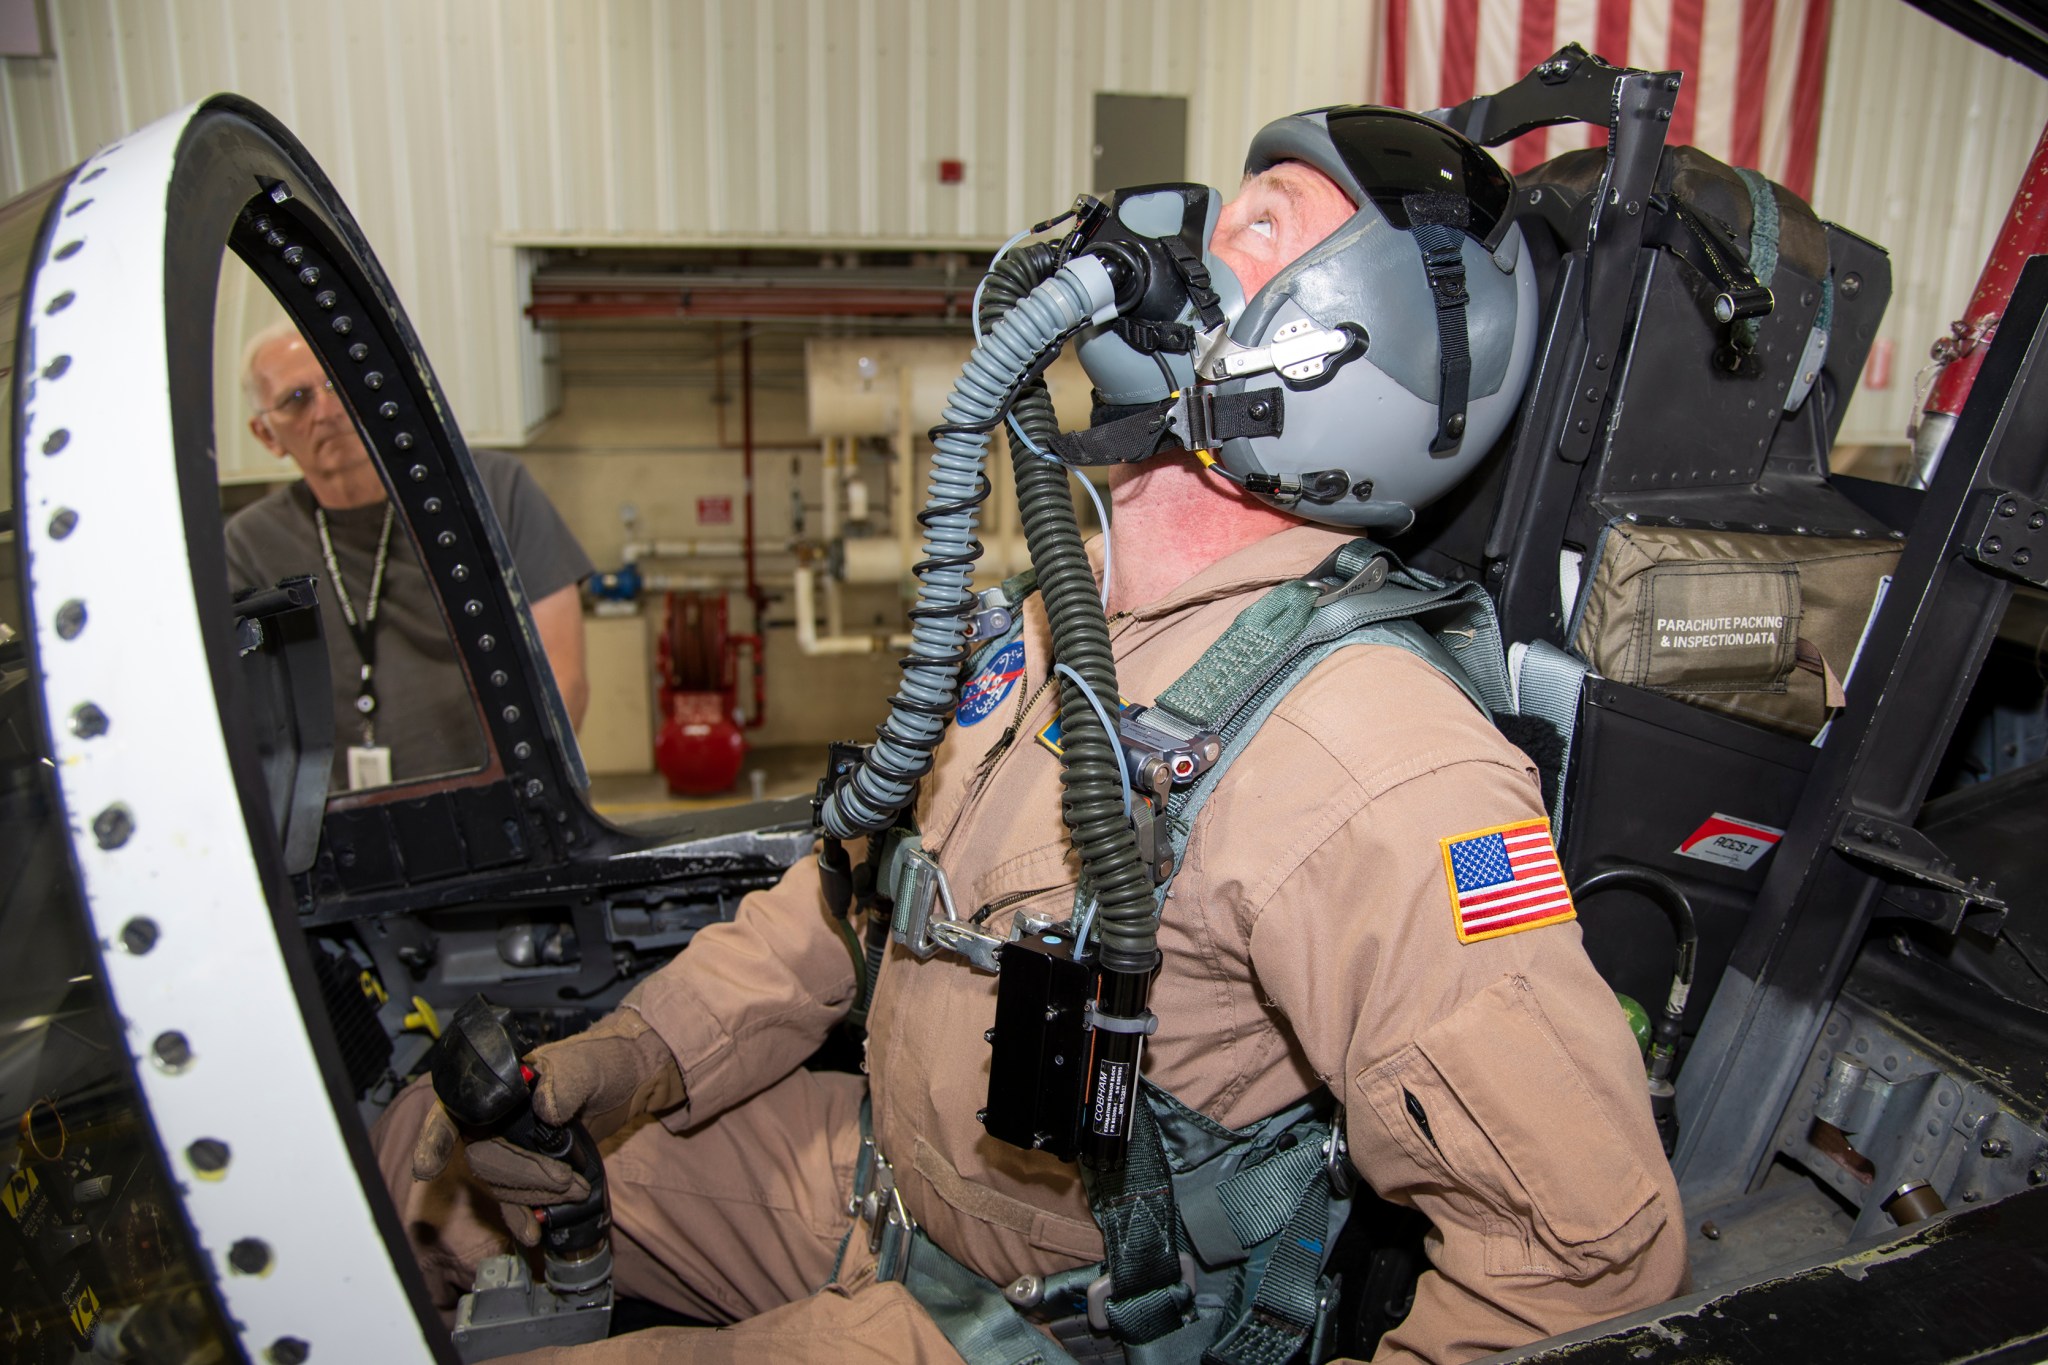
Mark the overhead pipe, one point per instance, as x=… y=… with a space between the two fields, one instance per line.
x=633 y=551
x=594 y=303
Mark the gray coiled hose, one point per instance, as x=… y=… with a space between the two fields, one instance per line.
x=1092 y=796
x=870 y=798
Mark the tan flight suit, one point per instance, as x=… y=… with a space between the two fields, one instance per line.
x=1309 y=941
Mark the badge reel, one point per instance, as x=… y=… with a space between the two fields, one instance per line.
x=369 y=763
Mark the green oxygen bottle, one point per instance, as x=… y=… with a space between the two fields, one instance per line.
x=1638 y=1020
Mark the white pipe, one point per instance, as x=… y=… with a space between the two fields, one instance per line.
x=835 y=609
x=878 y=559
x=687 y=582
x=906 y=476
x=703 y=548
x=835 y=621
x=808 y=641
x=829 y=500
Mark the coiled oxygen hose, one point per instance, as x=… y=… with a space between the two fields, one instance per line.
x=1092 y=799
x=1031 y=327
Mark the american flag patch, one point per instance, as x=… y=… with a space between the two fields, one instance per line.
x=1504 y=880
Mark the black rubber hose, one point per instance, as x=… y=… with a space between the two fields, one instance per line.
x=1092 y=800
x=1676 y=908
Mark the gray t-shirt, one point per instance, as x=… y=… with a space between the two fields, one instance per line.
x=425 y=714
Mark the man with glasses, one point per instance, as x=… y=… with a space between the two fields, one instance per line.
x=402 y=706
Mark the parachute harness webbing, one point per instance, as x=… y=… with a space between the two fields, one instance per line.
x=1133 y=1204
x=1763 y=245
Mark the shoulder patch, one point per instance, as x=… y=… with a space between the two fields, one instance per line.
x=985 y=692
x=1504 y=880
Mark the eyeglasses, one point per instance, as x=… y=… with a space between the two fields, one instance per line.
x=296 y=403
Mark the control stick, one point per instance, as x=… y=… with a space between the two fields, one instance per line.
x=486 y=1088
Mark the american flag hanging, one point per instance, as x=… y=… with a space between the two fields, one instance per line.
x=1754 y=69
x=1504 y=880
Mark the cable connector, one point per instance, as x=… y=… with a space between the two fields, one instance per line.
x=992 y=616
x=1161 y=754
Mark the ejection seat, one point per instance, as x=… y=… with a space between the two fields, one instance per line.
x=1679 y=397
x=1646 y=410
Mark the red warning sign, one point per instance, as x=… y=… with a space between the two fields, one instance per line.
x=1730 y=842
x=714 y=511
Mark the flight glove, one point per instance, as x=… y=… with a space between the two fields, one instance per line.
x=610 y=1073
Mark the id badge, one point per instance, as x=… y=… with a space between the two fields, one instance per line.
x=369 y=765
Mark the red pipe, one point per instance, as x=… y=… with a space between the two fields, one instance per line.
x=2024 y=234
x=754 y=593
x=747 y=465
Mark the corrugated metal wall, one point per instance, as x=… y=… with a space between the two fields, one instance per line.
x=463 y=130
x=460 y=130
x=1922 y=142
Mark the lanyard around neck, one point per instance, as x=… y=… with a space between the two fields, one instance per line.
x=362 y=629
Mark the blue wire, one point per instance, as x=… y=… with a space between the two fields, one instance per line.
x=1088 y=485
x=1082 y=924
x=1109 y=727
x=974 y=313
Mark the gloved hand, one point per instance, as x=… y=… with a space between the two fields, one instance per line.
x=604 y=1076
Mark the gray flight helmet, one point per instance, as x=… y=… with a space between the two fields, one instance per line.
x=1372 y=413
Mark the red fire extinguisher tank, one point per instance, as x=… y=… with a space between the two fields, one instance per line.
x=700 y=747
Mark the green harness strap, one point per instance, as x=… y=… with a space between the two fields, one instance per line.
x=1133 y=1205
x=1276 y=630
x=1763 y=244
x=975 y=1317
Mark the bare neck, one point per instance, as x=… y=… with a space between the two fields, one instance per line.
x=356 y=486
x=1173 y=520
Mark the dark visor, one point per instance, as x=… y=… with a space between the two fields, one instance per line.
x=1395 y=154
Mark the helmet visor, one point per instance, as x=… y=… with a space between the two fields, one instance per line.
x=1393 y=154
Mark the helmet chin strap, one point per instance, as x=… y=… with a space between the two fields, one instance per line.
x=1438 y=226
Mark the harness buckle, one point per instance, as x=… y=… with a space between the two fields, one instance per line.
x=982 y=951
x=1337 y=1167
x=877 y=1202
x=1102 y=1287
x=1159 y=757
x=920 y=887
